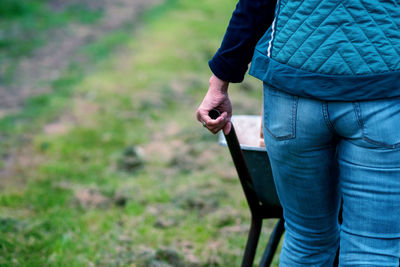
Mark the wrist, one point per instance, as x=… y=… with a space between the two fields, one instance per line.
x=218 y=84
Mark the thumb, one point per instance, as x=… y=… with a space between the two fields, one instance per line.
x=227 y=128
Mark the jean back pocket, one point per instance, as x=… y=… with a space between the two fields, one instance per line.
x=280 y=112
x=380 y=121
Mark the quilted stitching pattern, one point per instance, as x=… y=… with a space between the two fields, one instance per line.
x=339 y=37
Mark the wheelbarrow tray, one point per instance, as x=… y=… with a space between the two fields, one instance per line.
x=247 y=129
x=254 y=171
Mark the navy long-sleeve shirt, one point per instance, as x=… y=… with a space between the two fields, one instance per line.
x=249 y=22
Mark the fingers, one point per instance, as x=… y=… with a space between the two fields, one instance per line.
x=215 y=98
x=216 y=125
x=227 y=128
x=218 y=121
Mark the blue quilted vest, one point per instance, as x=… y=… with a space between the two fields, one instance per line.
x=332 y=49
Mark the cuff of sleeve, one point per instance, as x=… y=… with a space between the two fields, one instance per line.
x=226 y=72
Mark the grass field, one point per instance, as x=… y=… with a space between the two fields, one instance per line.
x=119 y=173
x=25 y=26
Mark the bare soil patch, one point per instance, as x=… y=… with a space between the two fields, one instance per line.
x=48 y=62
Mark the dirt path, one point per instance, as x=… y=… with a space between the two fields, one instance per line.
x=47 y=62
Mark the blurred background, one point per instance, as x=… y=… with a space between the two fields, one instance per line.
x=102 y=162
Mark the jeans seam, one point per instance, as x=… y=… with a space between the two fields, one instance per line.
x=294 y=115
x=357 y=111
x=380 y=143
x=326 y=118
x=279 y=138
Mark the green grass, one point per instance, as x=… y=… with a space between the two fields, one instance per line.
x=25 y=24
x=82 y=206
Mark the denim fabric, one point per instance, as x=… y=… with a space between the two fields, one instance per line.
x=325 y=151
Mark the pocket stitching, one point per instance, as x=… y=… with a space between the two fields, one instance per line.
x=360 y=120
x=292 y=135
x=294 y=115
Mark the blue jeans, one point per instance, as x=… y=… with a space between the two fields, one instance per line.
x=322 y=152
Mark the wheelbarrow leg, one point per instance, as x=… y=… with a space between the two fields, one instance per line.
x=252 y=241
x=272 y=243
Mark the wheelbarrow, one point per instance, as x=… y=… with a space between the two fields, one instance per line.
x=254 y=171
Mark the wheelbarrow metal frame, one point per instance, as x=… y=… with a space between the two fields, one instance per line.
x=258 y=210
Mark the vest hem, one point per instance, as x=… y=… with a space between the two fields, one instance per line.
x=324 y=86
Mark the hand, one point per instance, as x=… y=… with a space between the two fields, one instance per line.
x=216 y=98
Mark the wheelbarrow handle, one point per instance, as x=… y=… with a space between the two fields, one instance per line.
x=257 y=211
x=240 y=165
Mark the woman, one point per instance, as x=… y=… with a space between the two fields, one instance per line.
x=331 y=75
